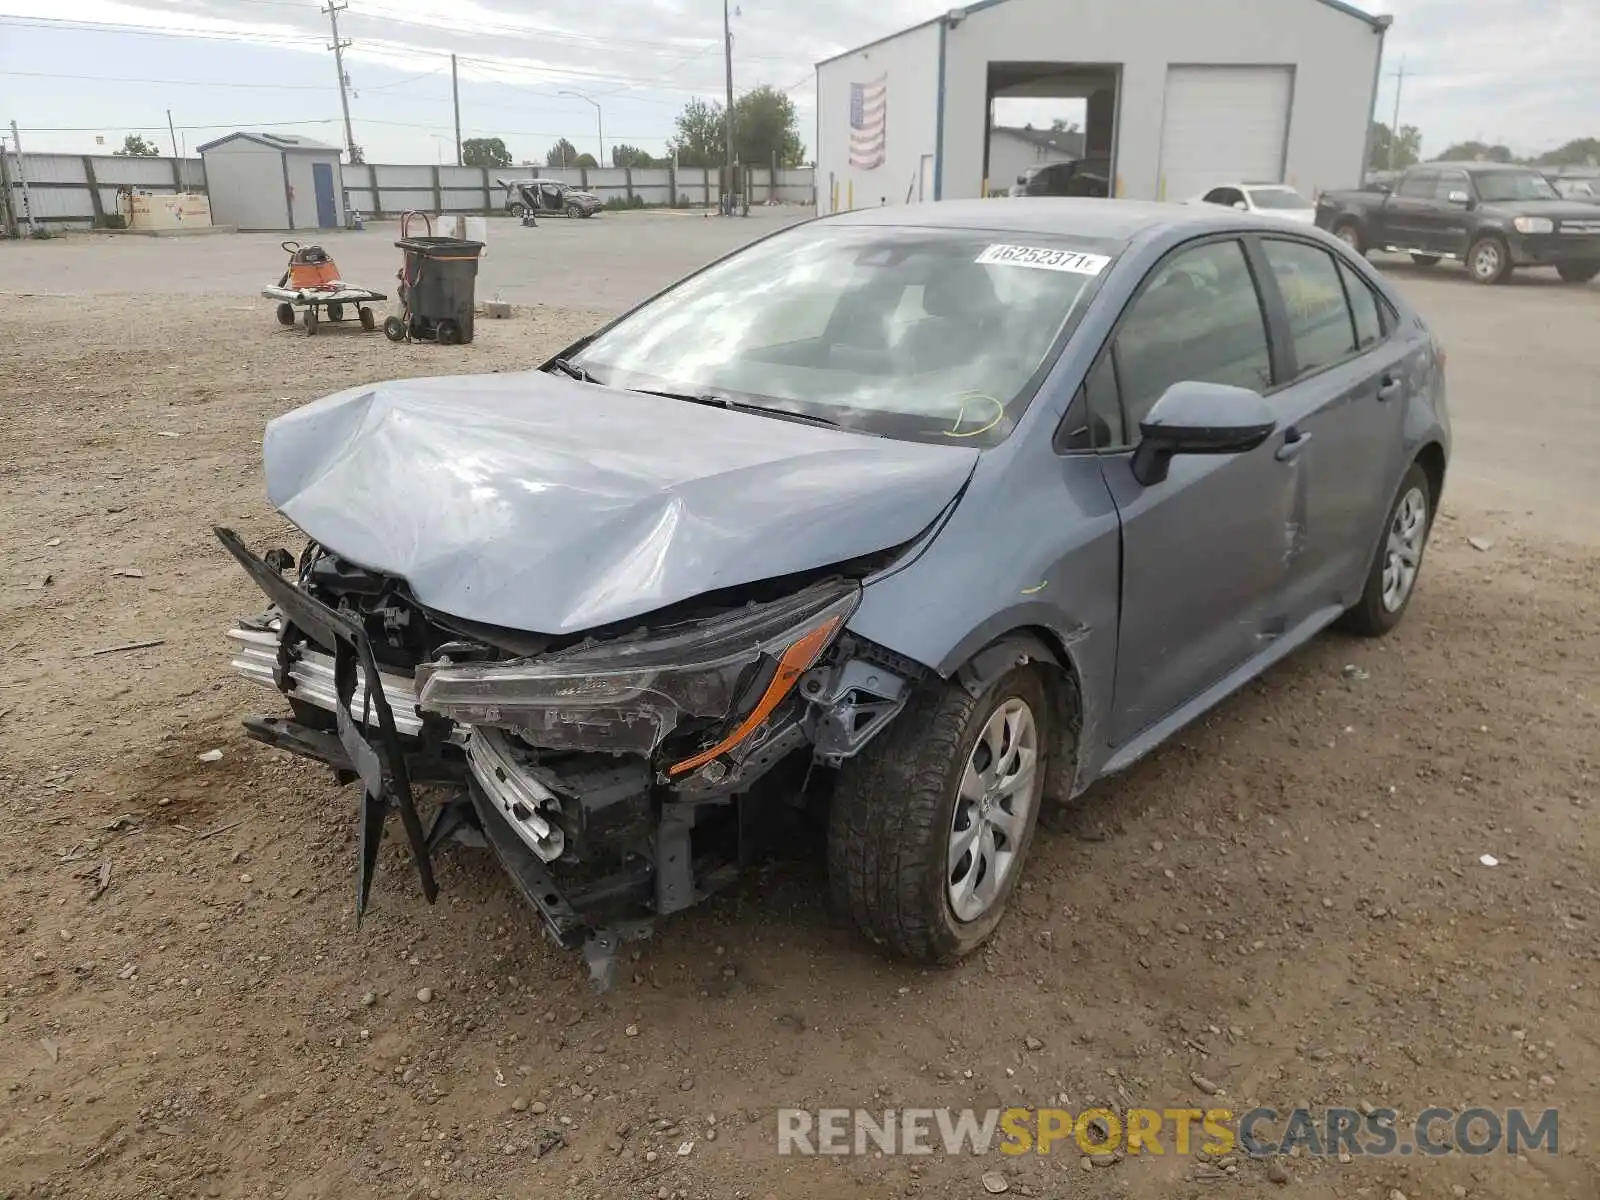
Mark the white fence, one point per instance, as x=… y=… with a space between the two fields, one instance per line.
x=82 y=189
x=377 y=188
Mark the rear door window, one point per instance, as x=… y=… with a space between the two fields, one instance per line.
x=1419 y=185
x=1320 y=323
x=1363 y=308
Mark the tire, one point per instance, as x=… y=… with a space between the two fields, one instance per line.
x=1349 y=232
x=574 y=211
x=448 y=333
x=518 y=210
x=1377 y=612
x=1425 y=260
x=1577 y=272
x=1489 y=261
x=335 y=312
x=895 y=812
x=394 y=329
x=286 y=314
x=311 y=320
x=368 y=321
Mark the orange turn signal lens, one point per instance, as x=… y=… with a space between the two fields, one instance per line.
x=796 y=661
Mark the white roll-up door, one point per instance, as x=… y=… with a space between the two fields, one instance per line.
x=1223 y=124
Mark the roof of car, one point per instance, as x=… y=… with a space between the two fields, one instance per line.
x=1117 y=220
x=1475 y=165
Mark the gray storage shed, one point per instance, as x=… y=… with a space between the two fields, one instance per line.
x=274 y=181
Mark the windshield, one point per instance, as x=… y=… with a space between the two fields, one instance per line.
x=1279 y=198
x=934 y=334
x=1496 y=186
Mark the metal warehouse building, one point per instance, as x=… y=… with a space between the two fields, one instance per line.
x=1178 y=95
x=273 y=181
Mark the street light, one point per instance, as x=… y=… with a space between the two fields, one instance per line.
x=599 y=123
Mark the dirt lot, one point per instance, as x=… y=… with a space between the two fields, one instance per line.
x=1288 y=901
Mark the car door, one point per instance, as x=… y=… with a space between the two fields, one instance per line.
x=1343 y=393
x=1408 y=210
x=1202 y=551
x=1449 y=225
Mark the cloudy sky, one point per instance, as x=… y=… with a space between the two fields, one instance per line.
x=1523 y=72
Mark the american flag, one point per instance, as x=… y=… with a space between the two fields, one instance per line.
x=868 y=105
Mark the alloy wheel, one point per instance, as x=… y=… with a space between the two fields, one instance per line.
x=992 y=809
x=1486 y=260
x=1402 y=555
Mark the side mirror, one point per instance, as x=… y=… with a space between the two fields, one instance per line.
x=1460 y=197
x=1200 y=418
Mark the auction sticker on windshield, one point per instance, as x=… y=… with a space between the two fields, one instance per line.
x=1044 y=259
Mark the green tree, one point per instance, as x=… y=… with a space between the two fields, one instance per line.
x=562 y=155
x=631 y=156
x=764 y=123
x=1062 y=125
x=699 y=141
x=587 y=161
x=485 y=152
x=1391 y=153
x=134 y=146
x=1580 y=152
x=1475 y=151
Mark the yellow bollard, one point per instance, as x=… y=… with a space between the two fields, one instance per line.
x=850 y=195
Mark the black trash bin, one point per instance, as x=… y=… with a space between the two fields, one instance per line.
x=438 y=290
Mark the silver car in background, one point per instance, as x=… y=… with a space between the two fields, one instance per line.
x=908 y=520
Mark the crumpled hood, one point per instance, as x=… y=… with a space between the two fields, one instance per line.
x=552 y=506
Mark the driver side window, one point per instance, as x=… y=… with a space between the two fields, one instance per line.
x=1198 y=318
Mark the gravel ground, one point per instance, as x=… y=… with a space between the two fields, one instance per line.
x=1286 y=901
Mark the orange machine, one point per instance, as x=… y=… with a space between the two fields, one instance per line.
x=309 y=267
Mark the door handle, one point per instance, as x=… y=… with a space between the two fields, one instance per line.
x=1293 y=443
x=1389 y=388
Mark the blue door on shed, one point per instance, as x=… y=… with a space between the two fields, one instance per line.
x=322 y=185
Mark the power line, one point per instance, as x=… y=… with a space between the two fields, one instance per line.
x=232 y=83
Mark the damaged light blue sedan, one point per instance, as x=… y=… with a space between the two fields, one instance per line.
x=898 y=524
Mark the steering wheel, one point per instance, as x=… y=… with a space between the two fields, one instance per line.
x=291 y=247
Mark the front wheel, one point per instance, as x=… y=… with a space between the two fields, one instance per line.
x=518 y=210
x=311 y=319
x=286 y=314
x=1578 y=272
x=394 y=329
x=1392 y=577
x=931 y=824
x=1489 y=261
x=1349 y=232
x=574 y=211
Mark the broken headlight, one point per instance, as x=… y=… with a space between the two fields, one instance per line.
x=627 y=695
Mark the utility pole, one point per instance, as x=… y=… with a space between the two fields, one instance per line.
x=173 y=134
x=455 y=94
x=1394 y=130
x=727 y=133
x=22 y=178
x=333 y=10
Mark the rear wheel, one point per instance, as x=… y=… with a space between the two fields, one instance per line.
x=394 y=329
x=311 y=319
x=285 y=314
x=1578 y=272
x=335 y=312
x=368 y=321
x=1392 y=578
x=447 y=333
x=1349 y=232
x=1488 y=261
x=931 y=824
x=1425 y=260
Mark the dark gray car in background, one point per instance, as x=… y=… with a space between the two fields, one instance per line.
x=911 y=519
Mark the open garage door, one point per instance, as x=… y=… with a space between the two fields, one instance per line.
x=1221 y=124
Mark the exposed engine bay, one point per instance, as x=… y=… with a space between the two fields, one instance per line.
x=617 y=775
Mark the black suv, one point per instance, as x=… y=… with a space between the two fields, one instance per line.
x=1491 y=216
x=1080 y=177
